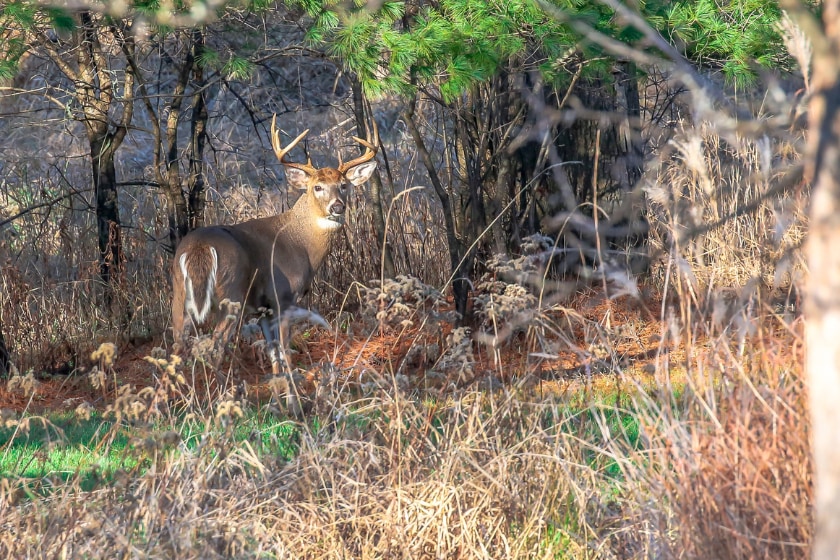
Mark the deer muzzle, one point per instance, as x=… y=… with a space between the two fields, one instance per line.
x=336 y=210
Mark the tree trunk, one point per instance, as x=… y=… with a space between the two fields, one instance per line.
x=629 y=213
x=460 y=273
x=375 y=183
x=822 y=302
x=97 y=93
x=198 y=137
x=179 y=216
x=109 y=232
x=186 y=199
x=4 y=354
x=611 y=180
x=629 y=147
x=620 y=152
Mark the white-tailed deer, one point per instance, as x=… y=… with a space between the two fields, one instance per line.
x=267 y=263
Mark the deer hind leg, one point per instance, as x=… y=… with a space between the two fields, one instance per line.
x=229 y=314
x=194 y=273
x=178 y=321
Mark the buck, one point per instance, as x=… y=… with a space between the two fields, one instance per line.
x=265 y=264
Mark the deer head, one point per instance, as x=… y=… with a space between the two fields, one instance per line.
x=265 y=263
x=326 y=188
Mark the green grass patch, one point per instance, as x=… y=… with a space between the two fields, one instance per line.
x=64 y=446
x=90 y=451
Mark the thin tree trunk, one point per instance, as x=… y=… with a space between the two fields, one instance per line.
x=630 y=148
x=822 y=303
x=198 y=138
x=179 y=218
x=4 y=353
x=460 y=273
x=375 y=183
x=630 y=156
x=97 y=95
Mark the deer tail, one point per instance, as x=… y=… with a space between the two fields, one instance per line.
x=199 y=273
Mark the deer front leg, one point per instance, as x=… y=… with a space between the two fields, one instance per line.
x=276 y=333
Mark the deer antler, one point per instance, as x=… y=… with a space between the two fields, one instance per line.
x=372 y=146
x=281 y=152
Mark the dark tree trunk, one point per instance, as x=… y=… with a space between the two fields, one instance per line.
x=359 y=104
x=629 y=143
x=576 y=143
x=620 y=150
x=97 y=92
x=504 y=103
x=611 y=180
x=460 y=273
x=629 y=215
x=198 y=138
x=4 y=354
x=179 y=215
x=109 y=232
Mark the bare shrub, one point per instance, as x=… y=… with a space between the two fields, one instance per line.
x=402 y=301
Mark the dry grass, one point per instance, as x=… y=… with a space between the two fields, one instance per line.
x=708 y=456
x=487 y=479
x=669 y=425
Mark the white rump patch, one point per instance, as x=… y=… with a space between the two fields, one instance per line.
x=326 y=223
x=199 y=315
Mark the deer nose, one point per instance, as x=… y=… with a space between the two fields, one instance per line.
x=337 y=208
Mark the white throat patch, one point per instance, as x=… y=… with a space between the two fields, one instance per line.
x=327 y=224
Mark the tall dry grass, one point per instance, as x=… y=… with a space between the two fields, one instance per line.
x=701 y=453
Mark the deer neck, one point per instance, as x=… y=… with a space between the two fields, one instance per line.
x=313 y=230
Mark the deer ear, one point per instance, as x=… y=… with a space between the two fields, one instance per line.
x=297 y=178
x=361 y=173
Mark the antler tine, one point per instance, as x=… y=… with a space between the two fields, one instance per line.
x=372 y=146
x=281 y=152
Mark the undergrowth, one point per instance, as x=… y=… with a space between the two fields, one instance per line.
x=616 y=418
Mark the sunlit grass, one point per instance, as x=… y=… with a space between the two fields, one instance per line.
x=69 y=447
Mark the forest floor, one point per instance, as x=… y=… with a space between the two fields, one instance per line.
x=574 y=363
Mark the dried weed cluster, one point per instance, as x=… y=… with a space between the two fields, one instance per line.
x=402 y=301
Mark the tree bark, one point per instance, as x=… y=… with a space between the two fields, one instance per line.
x=187 y=199
x=96 y=93
x=375 y=183
x=460 y=273
x=109 y=231
x=4 y=353
x=197 y=196
x=612 y=178
x=179 y=217
x=822 y=302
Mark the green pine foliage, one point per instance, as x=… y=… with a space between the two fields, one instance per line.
x=22 y=15
x=237 y=68
x=736 y=37
x=454 y=44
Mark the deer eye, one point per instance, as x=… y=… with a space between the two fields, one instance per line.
x=319 y=188
x=343 y=187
